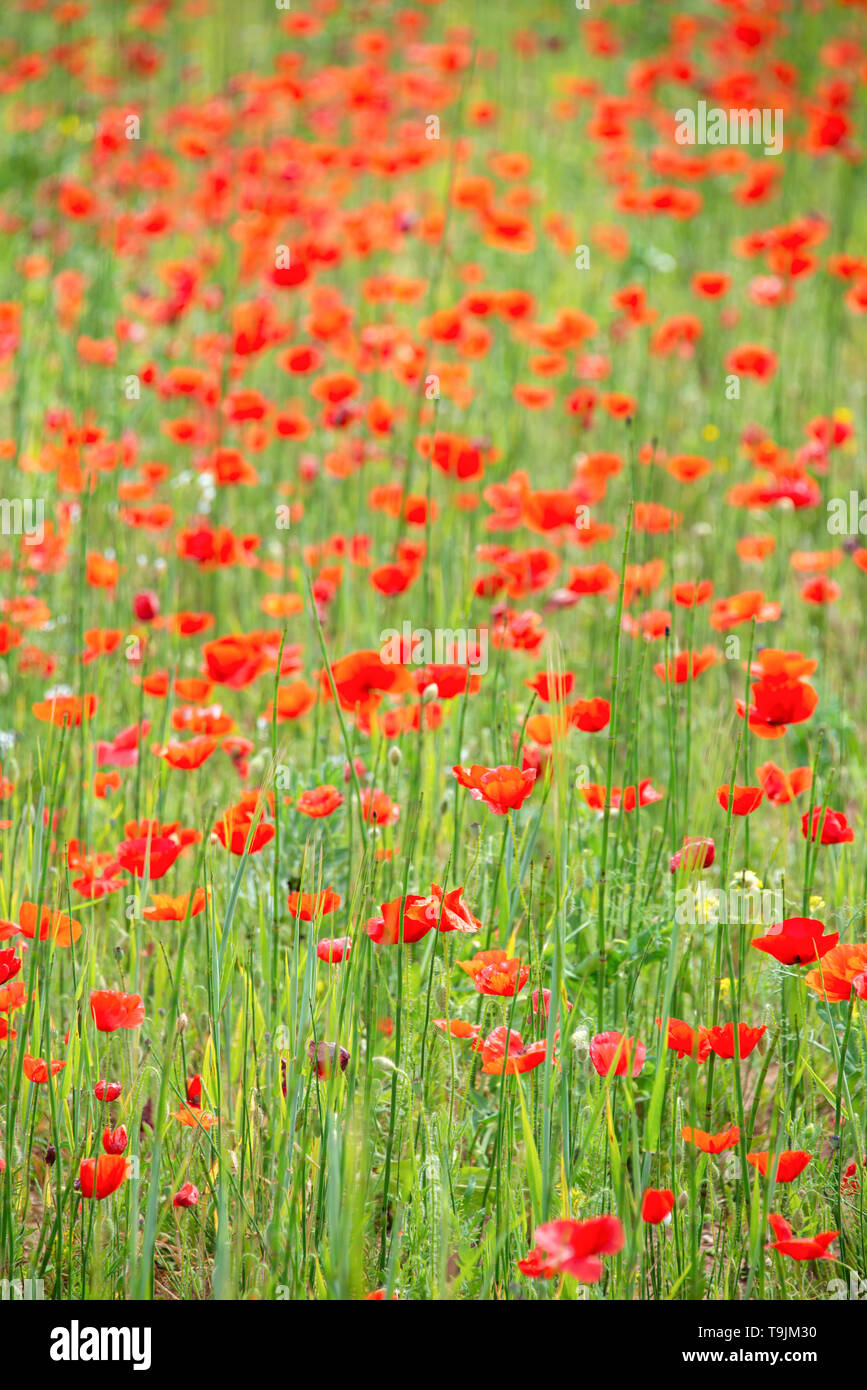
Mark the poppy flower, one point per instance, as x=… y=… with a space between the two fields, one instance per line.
x=458 y=1028
x=614 y=1055
x=502 y=789
x=193 y=1117
x=324 y=1055
x=827 y=826
x=377 y=807
x=744 y=800
x=494 y=972
x=504 y=1051
x=36 y=1070
x=686 y=1041
x=574 y=1247
x=334 y=950
x=293 y=701
x=148 y=855
x=782 y=787
x=686 y=666
x=66 y=710
x=233 y=830
x=44 y=924
x=114 y=1141
x=186 y=1196
x=697 y=853
x=319 y=802
x=168 y=909
x=111 y=1010
x=799 y=1247
x=789 y=1165
x=837 y=973
x=185 y=757
x=100 y=1177
x=722 y=1039
x=10 y=964
x=656 y=1205
x=306 y=906
x=712 y=1143
x=108 y=1090
x=622 y=798
x=796 y=941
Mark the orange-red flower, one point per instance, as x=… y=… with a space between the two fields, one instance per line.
x=785 y=1168
x=574 y=1247
x=744 y=800
x=306 y=906
x=712 y=1143
x=614 y=1055
x=502 y=789
x=494 y=972
x=656 y=1205
x=168 y=909
x=687 y=1041
x=722 y=1039
x=827 y=826
x=800 y=1247
x=111 y=1010
x=838 y=972
x=796 y=941
x=504 y=1050
x=319 y=802
x=100 y=1177
x=44 y=924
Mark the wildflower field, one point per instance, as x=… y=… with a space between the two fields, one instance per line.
x=433 y=600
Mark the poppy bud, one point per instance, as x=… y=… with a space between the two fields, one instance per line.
x=394 y=755
x=146 y=605
x=50 y=1155
x=107 y=1090
x=114 y=1140
x=182 y=1023
x=682 y=1201
x=324 y=1056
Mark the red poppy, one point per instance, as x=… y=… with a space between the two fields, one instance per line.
x=827 y=826
x=111 y=1010
x=838 y=973
x=785 y=1168
x=574 y=1247
x=44 y=924
x=494 y=972
x=614 y=1055
x=656 y=1205
x=148 y=856
x=334 y=949
x=782 y=787
x=801 y=1247
x=306 y=906
x=36 y=1070
x=504 y=1050
x=744 y=800
x=722 y=1039
x=319 y=802
x=712 y=1143
x=100 y=1177
x=502 y=789
x=686 y=1041
x=697 y=853
x=796 y=941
